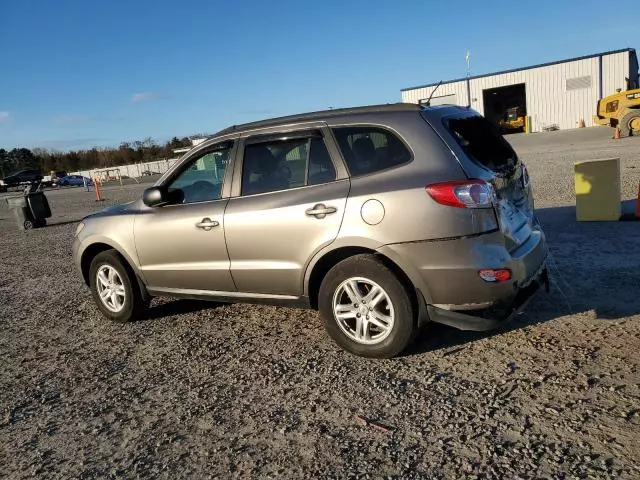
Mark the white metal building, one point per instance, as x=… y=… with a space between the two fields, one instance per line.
x=558 y=93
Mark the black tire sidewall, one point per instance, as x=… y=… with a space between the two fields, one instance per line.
x=132 y=301
x=367 y=266
x=625 y=124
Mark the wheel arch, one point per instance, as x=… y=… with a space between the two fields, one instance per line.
x=328 y=260
x=98 y=247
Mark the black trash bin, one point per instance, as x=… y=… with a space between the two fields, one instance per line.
x=31 y=209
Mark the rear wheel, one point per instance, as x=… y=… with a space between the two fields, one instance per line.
x=366 y=309
x=115 y=289
x=630 y=124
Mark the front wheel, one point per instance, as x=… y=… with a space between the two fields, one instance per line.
x=630 y=124
x=114 y=288
x=366 y=309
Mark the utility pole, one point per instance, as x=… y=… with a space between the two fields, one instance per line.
x=468 y=60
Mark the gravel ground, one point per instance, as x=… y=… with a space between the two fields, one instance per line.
x=202 y=390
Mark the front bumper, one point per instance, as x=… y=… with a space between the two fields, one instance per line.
x=77 y=249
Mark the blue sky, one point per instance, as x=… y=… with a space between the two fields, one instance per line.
x=77 y=73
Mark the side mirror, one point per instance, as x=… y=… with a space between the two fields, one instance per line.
x=159 y=196
x=154 y=197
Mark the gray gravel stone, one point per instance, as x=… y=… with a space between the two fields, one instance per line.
x=257 y=391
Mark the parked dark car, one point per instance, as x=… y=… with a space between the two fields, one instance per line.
x=74 y=180
x=19 y=178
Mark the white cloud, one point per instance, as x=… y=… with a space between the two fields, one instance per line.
x=4 y=116
x=146 y=97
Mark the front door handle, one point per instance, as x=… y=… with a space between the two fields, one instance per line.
x=207 y=224
x=320 y=211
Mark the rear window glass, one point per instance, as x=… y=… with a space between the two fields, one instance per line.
x=482 y=142
x=370 y=149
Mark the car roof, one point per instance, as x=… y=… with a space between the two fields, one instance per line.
x=319 y=116
x=338 y=112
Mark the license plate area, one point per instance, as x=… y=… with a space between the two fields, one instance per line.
x=513 y=223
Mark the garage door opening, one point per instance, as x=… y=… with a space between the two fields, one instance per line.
x=506 y=107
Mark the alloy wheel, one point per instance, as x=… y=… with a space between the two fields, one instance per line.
x=363 y=310
x=110 y=288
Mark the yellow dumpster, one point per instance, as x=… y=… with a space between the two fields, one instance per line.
x=598 y=195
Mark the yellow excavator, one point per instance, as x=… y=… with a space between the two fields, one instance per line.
x=622 y=110
x=513 y=120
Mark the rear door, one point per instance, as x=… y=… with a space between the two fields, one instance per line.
x=288 y=199
x=483 y=153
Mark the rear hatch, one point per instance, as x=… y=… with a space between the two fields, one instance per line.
x=484 y=154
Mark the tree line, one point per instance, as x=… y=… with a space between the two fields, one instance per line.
x=52 y=160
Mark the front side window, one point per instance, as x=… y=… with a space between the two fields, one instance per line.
x=281 y=164
x=370 y=149
x=201 y=180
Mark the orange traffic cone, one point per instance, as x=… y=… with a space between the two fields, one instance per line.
x=96 y=182
x=581 y=123
x=616 y=134
x=638 y=204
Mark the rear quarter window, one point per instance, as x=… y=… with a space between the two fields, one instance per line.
x=370 y=149
x=482 y=142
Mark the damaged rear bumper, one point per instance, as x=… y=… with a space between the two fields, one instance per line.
x=496 y=315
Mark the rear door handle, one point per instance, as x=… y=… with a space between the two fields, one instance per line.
x=207 y=224
x=320 y=211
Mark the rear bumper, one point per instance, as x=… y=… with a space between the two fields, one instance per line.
x=446 y=275
x=494 y=316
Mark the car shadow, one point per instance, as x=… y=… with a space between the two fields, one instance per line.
x=593 y=267
x=179 y=307
x=58 y=224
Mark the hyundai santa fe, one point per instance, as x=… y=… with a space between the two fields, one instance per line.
x=383 y=218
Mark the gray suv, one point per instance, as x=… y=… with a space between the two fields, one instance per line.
x=383 y=218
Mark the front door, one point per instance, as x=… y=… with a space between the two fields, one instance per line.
x=181 y=247
x=289 y=200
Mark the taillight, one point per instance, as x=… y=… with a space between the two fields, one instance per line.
x=463 y=194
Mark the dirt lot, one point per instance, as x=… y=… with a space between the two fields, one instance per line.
x=203 y=390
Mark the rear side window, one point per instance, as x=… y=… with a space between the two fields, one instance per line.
x=482 y=142
x=281 y=164
x=370 y=149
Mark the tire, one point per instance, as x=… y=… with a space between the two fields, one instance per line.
x=28 y=224
x=391 y=301
x=129 y=302
x=625 y=124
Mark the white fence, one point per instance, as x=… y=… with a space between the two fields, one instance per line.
x=134 y=170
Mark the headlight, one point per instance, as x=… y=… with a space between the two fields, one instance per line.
x=80 y=227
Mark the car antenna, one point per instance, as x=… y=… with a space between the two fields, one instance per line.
x=428 y=102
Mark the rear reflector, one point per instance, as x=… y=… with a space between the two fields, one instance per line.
x=463 y=194
x=495 y=276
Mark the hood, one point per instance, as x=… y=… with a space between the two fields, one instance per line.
x=112 y=210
